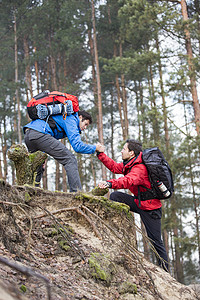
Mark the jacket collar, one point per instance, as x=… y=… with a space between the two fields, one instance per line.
x=127 y=161
x=135 y=160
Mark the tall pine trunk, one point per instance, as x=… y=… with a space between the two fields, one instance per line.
x=100 y=114
x=16 y=82
x=64 y=175
x=122 y=121
x=124 y=97
x=178 y=267
x=29 y=90
x=144 y=131
x=37 y=73
x=197 y=8
x=195 y=197
x=155 y=125
x=45 y=177
x=4 y=150
x=55 y=87
x=191 y=67
x=167 y=143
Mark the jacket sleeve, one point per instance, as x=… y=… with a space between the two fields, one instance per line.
x=114 y=167
x=137 y=176
x=73 y=134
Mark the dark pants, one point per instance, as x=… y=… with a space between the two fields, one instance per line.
x=46 y=143
x=152 y=223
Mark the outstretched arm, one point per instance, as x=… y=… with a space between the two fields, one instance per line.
x=113 y=166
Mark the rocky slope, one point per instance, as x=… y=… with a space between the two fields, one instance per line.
x=74 y=246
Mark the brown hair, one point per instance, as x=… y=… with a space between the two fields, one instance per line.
x=85 y=115
x=134 y=145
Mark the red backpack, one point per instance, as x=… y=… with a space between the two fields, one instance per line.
x=51 y=103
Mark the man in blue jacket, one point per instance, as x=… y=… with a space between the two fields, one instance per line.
x=44 y=136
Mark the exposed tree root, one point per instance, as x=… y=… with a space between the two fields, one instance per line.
x=28 y=272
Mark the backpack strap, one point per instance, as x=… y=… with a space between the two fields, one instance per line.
x=139 y=196
x=147 y=195
x=143 y=196
x=53 y=124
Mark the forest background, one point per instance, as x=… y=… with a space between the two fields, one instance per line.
x=134 y=65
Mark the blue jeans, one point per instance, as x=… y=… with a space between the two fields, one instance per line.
x=152 y=223
x=46 y=143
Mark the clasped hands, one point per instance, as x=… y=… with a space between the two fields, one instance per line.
x=100 y=147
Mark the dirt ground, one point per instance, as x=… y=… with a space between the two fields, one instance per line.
x=74 y=246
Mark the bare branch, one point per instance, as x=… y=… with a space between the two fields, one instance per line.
x=28 y=272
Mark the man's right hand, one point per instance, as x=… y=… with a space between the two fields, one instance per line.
x=103 y=185
x=100 y=147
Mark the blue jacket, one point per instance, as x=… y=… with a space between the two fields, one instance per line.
x=65 y=128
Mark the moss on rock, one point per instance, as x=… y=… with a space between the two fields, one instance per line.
x=99 y=192
x=127 y=287
x=27 y=197
x=63 y=245
x=101 y=267
x=119 y=207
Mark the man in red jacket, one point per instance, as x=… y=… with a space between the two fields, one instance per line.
x=136 y=179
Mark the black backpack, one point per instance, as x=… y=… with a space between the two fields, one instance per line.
x=160 y=175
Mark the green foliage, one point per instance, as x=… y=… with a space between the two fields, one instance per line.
x=23 y=288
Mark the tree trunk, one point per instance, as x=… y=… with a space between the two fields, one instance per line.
x=45 y=177
x=64 y=175
x=191 y=67
x=57 y=183
x=197 y=8
x=195 y=198
x=100 y=115
x=166 y=130
x=196 y=206
x=16 y=82
x=64 y=69
x=112 y=128
x=94 y=79
x=144 y=132
x=91 y=163
x=138 y=109
x=120 y=107
x=145 y=242
x=53 y=71
x=26 y=163
x=124 y=97
x=177 y=263
x=55 y=87
x=36 y=72
x=166 y=240
x=48 y=75
x=1 y=153
x=167 y=139
x=4 y=150
x=119 y=99
x=124 y=122
x=27 y=70
x=153 y=107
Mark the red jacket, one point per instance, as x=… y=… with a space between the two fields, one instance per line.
x=135 y=173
